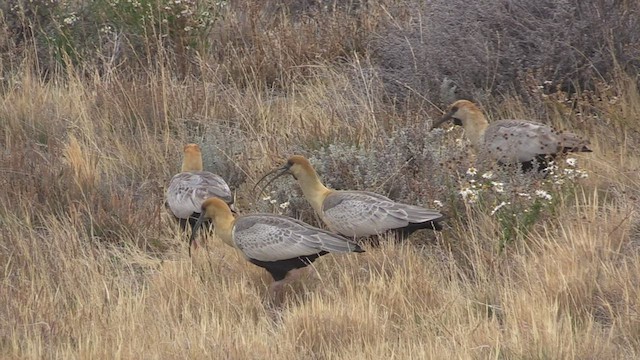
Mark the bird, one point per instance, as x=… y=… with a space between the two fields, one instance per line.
x=192 y=186
x=356 y=213
x=523 y=142
x=279 y=244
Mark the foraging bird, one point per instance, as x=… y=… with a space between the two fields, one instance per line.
x=276 y=243
x=513 y=141
x=356 y=213
x=191 y=187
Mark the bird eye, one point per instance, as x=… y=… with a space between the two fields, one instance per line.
x=454 y=109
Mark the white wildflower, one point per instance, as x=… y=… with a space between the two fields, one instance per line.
x=438 y=203
x=187 y=28
x=71 y=19
x=469 y=195
x=273 y=201
x=284 y=205
x=266 y=198
x=571 y=161
x=497 y=186
x=487 y=175
x=582 y=174
x=525 y=195
x=543 y=195
x=495 y=209
x=472 y=171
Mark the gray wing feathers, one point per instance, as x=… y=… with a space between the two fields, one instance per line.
x=416 y=214
x=522 y=140
x=268 y=237
x=188 y=190
x=359 y=213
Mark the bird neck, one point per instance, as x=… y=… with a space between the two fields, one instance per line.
x=223 y=228
x=192 y=162
x=474 y=127
x=313 y=189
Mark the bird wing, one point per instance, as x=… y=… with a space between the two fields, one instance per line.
x=362 y=213
x=521 y=140
x=187 y=191
x=268 y=237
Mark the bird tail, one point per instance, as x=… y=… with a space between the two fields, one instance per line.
x=571 y=142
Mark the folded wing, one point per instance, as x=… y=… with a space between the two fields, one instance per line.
x=268 y=237
x=188 y=190
x=361 y=213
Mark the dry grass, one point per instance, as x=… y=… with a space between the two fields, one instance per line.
x=93 y=267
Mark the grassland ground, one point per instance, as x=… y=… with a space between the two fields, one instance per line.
x=94 y=267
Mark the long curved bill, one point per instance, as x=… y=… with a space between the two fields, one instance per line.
x=279 y=172
x=443 y=119
x=194 y=231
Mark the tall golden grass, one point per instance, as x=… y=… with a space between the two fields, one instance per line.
x=93 y=266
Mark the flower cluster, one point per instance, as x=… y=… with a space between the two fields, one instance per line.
x=569 y=173
x=474 y=186
x=280 y=208
x=516 y=200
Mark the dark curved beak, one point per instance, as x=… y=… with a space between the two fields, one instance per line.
x=279 y=172
x=443 y=119
x=194 y=231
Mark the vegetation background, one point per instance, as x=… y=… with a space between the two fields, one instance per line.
x=97 y=98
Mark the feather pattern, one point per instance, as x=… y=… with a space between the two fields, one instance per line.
x=268 y=237
x=362 y=213
x=513 y=141
x=188 y=190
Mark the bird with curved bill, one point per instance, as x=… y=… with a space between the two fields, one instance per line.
x=279 y=244
x=530 y=144
x=354 y=213
x=192 y=186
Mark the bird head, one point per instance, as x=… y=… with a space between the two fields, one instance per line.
x=297 y=166
x=192 y=160
x=462 y=112
x=214 y=209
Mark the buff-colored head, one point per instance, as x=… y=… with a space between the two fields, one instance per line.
x=463 y=113
x=215 y=209
x=297 y=165
x=192 y=160
x=466 y=114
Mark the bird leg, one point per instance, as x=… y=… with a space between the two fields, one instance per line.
x=276 y=291
x=312 y=273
